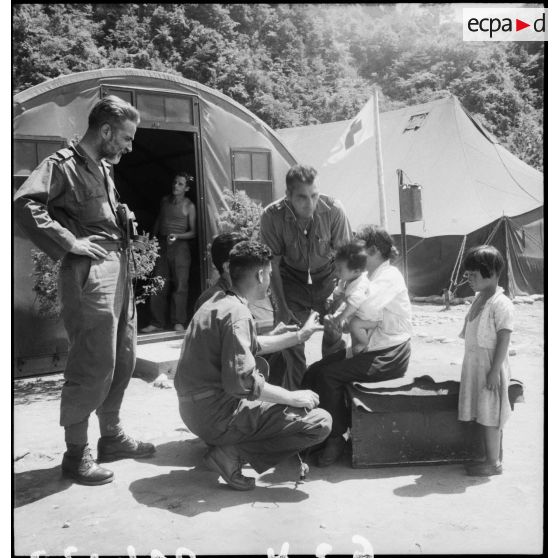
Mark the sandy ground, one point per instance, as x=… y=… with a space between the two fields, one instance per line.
x=172 y=501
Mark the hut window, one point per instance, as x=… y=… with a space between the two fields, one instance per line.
x=123 y=94
x=415 y=122
x=165 y=108
x=251 y=172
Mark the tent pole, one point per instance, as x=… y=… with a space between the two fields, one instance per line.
x=379 y=162
x=404 y=249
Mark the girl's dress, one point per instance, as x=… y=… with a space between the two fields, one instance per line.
x=476 y=401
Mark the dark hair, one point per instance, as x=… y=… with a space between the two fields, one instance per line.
x=247 y=256
x=485 y=259
x=300 y=174
x=376 y=238
x=184 y=175
x=353 y=254
x=222 y=245
x=112 y=110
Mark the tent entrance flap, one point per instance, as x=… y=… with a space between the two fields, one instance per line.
x=145 y=175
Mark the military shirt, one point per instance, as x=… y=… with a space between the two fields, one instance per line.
x=311 y=252
x=219 y=352
x=221 y=285
x=66 y=197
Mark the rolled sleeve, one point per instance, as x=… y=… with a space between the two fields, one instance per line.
x=340 y=228
x=31 y=203
x=240 y=376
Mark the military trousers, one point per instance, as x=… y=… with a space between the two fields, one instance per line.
x=100 y=319
x=303 y=298
x=263 y=433
x=173 y=265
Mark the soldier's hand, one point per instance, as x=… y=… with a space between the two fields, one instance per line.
x=311 y=325
x=282 y=328
x=86 y=247
x=304 y=398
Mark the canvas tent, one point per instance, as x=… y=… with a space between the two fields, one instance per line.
x=473 y=189
x=184 y=126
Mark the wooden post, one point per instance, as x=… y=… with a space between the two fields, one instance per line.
x=404 y=249
x=403 y=229
x=379 y=163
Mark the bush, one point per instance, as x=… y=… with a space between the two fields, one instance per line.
x=243 y=215
x=45 y=274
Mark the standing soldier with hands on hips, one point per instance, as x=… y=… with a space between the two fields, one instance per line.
x=303 y=231
x=68 y=207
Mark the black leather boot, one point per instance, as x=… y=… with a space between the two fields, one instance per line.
x=78 y=465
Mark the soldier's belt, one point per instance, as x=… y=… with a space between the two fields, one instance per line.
x=111 y=245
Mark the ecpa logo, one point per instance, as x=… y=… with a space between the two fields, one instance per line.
x=504 y=24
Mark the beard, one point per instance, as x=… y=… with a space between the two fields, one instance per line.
x=110 y=152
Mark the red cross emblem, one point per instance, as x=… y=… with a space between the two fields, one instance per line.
x=356 y=126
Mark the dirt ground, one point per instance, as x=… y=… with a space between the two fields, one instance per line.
x=172 y=501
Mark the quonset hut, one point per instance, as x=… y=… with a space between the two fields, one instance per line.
x=184 y=126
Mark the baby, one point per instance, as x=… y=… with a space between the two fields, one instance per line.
x=350 y=294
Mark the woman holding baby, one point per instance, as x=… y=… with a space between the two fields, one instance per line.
x=387 y=313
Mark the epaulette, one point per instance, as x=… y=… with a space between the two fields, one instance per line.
x=63 y=154
x=276 y=205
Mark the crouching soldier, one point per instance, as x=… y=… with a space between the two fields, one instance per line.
x=223 y=396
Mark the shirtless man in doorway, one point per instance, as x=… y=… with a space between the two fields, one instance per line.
x=175 y=227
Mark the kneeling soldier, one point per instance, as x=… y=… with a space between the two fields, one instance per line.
x=223 y=397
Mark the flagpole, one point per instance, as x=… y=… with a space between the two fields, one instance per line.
x=379 y=163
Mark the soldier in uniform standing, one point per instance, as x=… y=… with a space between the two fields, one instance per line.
x=68 y=208
x=303 y=231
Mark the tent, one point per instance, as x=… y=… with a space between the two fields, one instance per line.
x=184 y=126
x=472 y=190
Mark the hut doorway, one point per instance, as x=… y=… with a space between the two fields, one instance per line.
x=145 y=175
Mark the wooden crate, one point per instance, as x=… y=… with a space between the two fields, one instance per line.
x=410 y=425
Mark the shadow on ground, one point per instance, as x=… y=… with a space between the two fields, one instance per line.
x=38 y=390
x=180 y=453
x=31 y=486
x=195 y=491
x=432 y=479
x=432 y=482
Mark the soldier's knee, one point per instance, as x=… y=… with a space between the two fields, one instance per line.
x=322 y=421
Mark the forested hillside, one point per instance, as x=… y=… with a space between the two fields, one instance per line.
x=297 y=64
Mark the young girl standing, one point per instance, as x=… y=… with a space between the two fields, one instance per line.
x=485 y=375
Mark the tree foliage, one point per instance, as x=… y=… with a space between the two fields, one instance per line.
x=297 y=64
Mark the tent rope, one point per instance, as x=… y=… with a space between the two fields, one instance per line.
x=457 y=266
x=493 y=231
x=513 y=177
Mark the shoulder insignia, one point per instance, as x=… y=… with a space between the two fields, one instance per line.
x=63 y=154
x=276 y=205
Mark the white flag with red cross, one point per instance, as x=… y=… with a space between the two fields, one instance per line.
x=360 y=129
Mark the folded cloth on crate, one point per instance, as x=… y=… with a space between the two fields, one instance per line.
x=421 y=386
